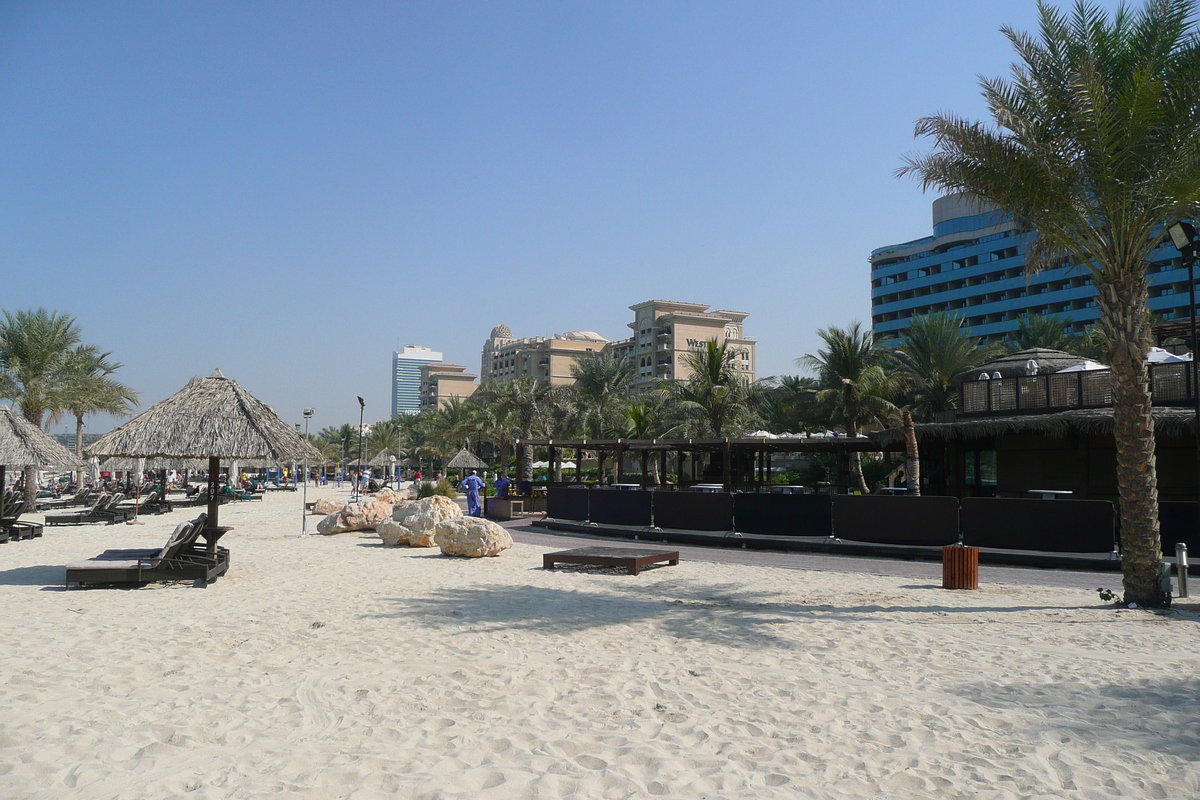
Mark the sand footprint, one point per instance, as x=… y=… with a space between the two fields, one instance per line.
x=591 y=762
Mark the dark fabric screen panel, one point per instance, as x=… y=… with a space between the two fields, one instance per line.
x=619 y=507
x=783 y=514
x=883 y=519
x=567 y=503
x=1178 y=523
x=1048 y=526
x=694 y=511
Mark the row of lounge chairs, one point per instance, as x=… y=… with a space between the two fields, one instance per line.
x=182 y=558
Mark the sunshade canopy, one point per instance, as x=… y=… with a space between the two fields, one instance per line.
x=209 y=417
x=23 y=444
x=465 y=459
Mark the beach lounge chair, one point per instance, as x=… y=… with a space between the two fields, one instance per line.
x=11 y=528
x=79 y=498
x=180 y=559
x=102 y=510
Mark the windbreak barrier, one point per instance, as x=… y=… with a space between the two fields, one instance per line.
x=620 y=507
x=1049 y=526
x=1178 y=522
x=694 y=511
x=883 y=519
x=569 y=504
x=784 y=514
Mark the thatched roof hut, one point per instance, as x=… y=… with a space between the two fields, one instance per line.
x=212 y=418
x=384 y=458
x=209 y=417
x=23 y=444
x=1013 y=365
x=465 y=459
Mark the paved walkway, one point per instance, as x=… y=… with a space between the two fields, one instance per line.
x=926 y=572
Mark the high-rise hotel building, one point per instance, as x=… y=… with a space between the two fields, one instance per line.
x=406 y=377
x=973 y=266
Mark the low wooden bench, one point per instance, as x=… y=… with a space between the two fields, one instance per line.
x=632 y=558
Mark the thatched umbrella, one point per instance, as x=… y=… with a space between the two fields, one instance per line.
x=23 y=444
x=211 y=418
x=465 y=459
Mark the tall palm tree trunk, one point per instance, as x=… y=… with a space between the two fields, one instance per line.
x=856 y=473
x=1125 y=320
x=912 y=459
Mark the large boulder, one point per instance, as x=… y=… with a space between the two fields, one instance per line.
x=472 y=537
x=361 y=516
x=328 y=505
x=413 y=523
x=388 y=495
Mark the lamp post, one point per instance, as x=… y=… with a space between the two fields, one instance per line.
x=1183 y=236
x=362 y=405
x=308 y=412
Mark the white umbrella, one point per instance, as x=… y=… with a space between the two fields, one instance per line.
x=1086 y=366
x=1159 y=356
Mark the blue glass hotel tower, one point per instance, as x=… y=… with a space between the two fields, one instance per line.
x=973 y=266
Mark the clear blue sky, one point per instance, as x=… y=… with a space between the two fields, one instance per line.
x=289 y=191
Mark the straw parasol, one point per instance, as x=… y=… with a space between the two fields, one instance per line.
x=212 y=418
x=23 y=444
x=384 y=458
x=465 y=459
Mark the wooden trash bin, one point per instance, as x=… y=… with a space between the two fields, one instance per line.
x=960 y=567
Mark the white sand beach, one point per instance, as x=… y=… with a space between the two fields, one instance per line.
x=332 y=667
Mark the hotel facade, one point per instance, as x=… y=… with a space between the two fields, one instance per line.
x=973 y=266
x=406 y=377
x=663 y=331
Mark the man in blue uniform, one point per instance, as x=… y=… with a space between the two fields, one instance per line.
x=473 y=484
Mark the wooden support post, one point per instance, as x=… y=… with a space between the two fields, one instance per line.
x=620 y=464
x=727 y=467
x=579 y=464
x=214 y=490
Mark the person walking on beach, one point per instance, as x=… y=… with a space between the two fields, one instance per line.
x=473 y=484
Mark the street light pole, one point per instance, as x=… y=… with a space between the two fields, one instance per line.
x=308 y=412
x=361 y=407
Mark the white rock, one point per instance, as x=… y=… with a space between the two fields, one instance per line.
x=328 y=505
x=417 y=520
x=362 y=516
x=472 y=537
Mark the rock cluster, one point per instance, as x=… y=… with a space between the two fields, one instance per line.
x=413 y=523
x=472 y=537
x=361 y=516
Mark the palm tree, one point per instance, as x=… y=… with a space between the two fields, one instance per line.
x=33 y=355
x=1096 y=146
x=523 y=404
x=933 y=351
x=1044 y=330
x=601 y=383
x=645 y=420
x=716 y=399
x=854 y=385
x=89 y=388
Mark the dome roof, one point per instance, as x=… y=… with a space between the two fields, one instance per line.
x=582 y=336
x=502 y=331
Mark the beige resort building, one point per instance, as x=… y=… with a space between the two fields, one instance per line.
x=663 y=331
x=441 y=381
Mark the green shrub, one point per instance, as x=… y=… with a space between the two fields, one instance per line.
x=445 y=489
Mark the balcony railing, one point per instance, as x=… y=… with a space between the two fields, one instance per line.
x=1170 y=385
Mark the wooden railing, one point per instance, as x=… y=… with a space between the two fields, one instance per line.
x=1170 y=385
